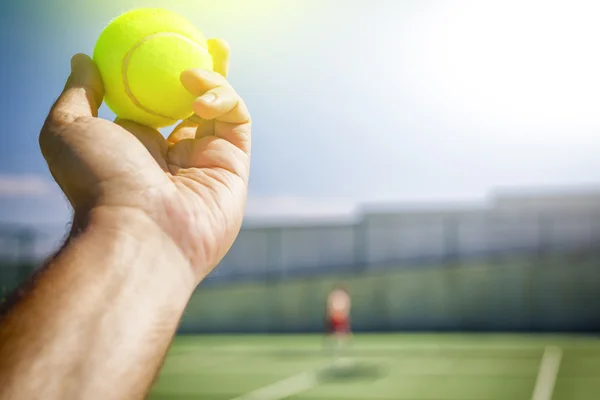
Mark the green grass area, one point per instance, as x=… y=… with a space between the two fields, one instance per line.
x=395 y=366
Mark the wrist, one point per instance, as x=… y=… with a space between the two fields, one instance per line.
x=132 y=237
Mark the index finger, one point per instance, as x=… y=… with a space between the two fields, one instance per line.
x=218 y=101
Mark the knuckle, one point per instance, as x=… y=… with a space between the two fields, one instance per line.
x=56 y=127
x=243 y=111
x=49 y=142
x=61 y=117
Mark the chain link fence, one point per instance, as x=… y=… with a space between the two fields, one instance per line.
x=406 y=240
x=376 y=243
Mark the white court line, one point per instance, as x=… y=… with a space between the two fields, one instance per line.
x=284 y=388
x=544 y=385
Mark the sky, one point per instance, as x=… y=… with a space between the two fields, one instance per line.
x=352 y=101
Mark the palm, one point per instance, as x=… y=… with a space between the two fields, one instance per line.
x=208 y=174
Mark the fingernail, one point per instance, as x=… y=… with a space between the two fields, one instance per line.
x=202 y=72
x=208 y=97
x=190 y=75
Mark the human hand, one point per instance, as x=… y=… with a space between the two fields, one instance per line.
x=191 y=187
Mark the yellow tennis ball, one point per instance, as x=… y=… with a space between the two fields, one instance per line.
x=140 y=56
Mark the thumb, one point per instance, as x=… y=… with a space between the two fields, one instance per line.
x=82 y=94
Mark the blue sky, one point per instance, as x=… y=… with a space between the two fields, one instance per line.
x=352 y=101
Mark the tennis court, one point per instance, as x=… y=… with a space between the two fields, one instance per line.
x=394 y=366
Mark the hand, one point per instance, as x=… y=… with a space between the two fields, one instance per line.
x=191 y=186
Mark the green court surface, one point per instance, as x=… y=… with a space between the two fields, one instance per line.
x=410 y=366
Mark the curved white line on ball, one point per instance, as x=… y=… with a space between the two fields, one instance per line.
x=127 y=59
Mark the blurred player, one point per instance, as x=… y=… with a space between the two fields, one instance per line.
x=338 y=319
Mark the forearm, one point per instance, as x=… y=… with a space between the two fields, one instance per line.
x=116 y=293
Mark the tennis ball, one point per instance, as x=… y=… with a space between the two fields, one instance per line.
x=140 y=56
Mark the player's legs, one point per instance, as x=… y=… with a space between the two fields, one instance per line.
x=329 y=341
x=339 y=337
x=344 y=336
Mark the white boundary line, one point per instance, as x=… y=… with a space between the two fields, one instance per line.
x=285 y=388
x=543 y=390
x=544 y=385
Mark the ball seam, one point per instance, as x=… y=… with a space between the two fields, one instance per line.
x=125 y=66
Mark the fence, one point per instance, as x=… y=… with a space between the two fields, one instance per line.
x=507 y=269
x=550 y=293
x=496 y=269
x=379 y=240
x=372 y=241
